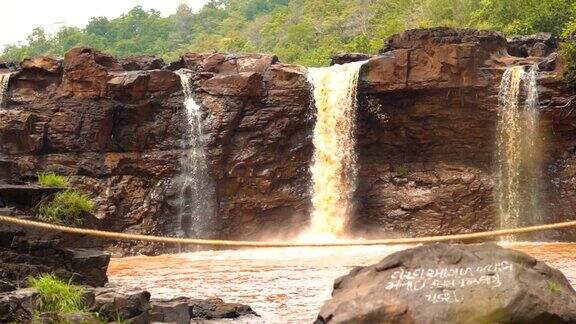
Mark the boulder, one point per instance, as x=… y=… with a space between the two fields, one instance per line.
x=214 y=308
x=42 y=63
x=141 y=63
x=243 y=84
x=92 y=265
x=537 y=45
x=112 y=304
x=182 y=309
x=444 y=283
x=17 y=306
x=170 y=311
x=548 y=63
x=86 y=72
x=344 y=58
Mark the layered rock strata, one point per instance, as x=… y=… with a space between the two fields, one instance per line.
x=426 y=123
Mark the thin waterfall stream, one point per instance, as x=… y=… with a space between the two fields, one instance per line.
x=519 y=149
x=197 y=191
x=4 y=79
x=334 y=167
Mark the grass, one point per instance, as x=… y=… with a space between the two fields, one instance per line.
x=57 y=296
x=554 y=287
x=401 y=170
x=52 y=179
x=67 y=208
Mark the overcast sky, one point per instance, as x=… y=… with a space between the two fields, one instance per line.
x=21 y=16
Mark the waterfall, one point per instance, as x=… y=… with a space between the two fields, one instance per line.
x=519 y=149
x=334 y=170
x=197 y=190
x=4 y=79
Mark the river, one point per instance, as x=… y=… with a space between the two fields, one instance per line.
x=283 y=285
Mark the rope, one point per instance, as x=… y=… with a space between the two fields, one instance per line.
x=178 y=240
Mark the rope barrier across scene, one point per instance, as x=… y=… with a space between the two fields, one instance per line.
x=261 y=244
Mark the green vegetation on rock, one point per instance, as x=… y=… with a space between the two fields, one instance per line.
x=52 y=179
x=67 y=208
x=306 y=32
x=568 y=52
x=57 y=296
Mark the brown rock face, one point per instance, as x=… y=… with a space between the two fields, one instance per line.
x=433 y=59
x=86 y=72
x=427 y=110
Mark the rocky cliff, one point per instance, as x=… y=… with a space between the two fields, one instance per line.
x=427 y=113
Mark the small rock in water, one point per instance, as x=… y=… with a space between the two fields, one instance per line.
x=444 y=283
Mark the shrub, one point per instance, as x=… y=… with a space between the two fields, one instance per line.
x=52 y=179
x=66 y=208
x=568 y=52
x=57 y=296
x=402 y=170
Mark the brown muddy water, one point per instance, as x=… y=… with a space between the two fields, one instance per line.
x=283 y=285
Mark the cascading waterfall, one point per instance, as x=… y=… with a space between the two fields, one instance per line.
x=197 y=190
x=334 y=170
x=519 y=149
x=4 y=79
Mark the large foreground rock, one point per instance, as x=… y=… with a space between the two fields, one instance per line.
x=452 y=284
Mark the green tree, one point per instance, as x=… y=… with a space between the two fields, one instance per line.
x=299 y=31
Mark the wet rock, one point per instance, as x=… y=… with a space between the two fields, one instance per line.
x=170 y=311
x=182 y=309
x=214 y=308
x=452 y=284
x=69 y=318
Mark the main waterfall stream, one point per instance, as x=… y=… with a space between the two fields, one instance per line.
x=197 y=190
x=334 y=169
x=519 y=149
x=4 y=79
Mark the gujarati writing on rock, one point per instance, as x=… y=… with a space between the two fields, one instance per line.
x=441 y=285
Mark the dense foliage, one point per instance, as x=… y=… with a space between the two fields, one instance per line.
x=57 y=296
x=67 y=208
x=568 y=52
x=307 y=32
x=51 y=179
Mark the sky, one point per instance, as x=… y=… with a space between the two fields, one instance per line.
x=24 y=15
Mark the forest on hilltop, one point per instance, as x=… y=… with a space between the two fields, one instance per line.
x=307 y=32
